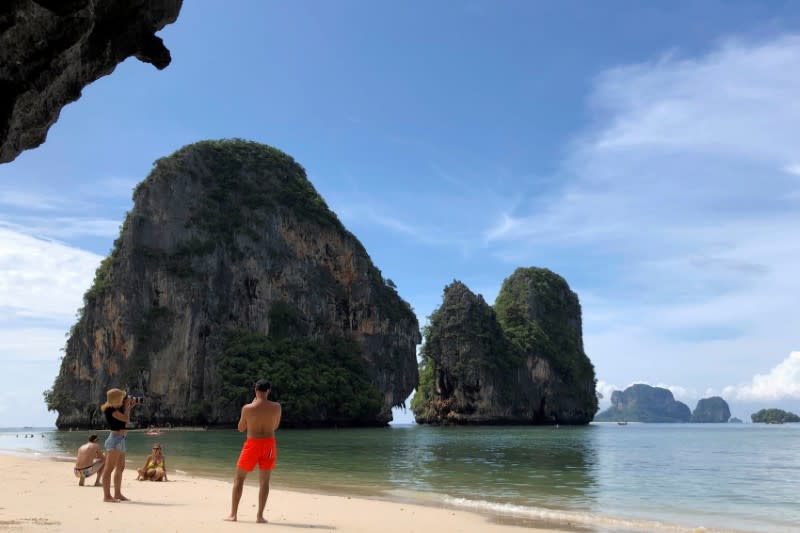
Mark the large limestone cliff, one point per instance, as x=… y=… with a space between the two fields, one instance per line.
x=228 y=240
x=51 y=49
x=521 y=362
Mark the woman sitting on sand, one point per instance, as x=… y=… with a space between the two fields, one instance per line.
x=155 y=467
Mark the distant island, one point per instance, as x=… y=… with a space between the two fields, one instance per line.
x=711 y=410
x=643 y=403
x=735 y=420
x=773 y=416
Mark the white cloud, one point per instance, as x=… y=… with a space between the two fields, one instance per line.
x=41 y=278
x=782 y=382
x=683 y=197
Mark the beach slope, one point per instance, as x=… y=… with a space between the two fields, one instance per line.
x=43 y=495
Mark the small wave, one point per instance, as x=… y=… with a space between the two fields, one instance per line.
x=588 y=519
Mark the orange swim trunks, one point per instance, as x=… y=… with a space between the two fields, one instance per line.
x=262 y=451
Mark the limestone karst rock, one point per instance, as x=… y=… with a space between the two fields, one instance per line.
x=643 y=403
x=228 y=267
x=51 y=49
x=711 y=410
x=521 y=362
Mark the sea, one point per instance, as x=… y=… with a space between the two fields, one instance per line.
x=603 y=477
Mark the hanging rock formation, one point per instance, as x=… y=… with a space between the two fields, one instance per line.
x=230 y=267
x=521 y=362
x=51 y=49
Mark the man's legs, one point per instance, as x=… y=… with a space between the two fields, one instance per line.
x=238 y=486
x=97 y=480
x=263 y=494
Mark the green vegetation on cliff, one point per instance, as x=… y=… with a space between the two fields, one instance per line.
x=318 y=382
x=538 y=311
x=774 y=416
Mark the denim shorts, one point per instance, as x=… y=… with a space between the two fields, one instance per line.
x=115 y=443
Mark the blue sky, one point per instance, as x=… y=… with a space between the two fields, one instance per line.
x=648 y=152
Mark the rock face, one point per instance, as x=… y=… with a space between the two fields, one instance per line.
x=521 y=362
x=51 y=49
x=643 y=403
x=711 y=410
x=230 y=266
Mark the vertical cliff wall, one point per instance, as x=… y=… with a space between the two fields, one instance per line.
x=521 y=362
x=228 y=239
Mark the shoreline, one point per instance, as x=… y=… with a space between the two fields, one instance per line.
x=41 y=490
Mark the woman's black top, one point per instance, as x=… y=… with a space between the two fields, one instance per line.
x=114 y=424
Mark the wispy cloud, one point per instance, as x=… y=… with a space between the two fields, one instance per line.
x=686 y=189
x=58 y=227
x=29 y=200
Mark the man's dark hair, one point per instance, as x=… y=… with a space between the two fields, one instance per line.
x=263 y=385
x=93 y=438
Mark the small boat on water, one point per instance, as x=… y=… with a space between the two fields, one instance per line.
x=622 y=422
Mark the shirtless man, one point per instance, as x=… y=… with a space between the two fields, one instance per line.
x=90 y=461
x=260 y=418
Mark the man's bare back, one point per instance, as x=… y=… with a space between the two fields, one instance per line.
x=260 y=418
x=87 y=455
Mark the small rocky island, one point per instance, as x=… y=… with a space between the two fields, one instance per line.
x=643 y=403
x=230 y=267
x=519 y=362
x=774 y=416
x=711 y=410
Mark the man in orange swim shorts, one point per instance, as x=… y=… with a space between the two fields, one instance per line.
x=260 y=418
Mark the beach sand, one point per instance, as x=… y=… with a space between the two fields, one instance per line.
x=41 y=494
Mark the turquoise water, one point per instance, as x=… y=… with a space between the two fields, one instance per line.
x=603 y=477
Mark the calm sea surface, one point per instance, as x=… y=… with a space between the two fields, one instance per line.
x=603 y=477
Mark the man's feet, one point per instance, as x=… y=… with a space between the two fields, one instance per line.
x=98 y=483
x=121 y=498
x=110 y=500
x=261 y=520
x=231 y=518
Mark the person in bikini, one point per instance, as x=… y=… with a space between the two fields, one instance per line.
x=90 y=461
x=260 y=418
x=155 y=466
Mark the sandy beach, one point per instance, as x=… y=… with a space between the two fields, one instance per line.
x=41 y=494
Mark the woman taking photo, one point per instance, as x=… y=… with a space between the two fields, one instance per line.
x=117 y=412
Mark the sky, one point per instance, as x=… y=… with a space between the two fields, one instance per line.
x=647 y=152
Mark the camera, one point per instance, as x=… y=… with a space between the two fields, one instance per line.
x=135 y=400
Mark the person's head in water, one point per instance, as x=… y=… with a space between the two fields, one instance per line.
x=262 y=385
